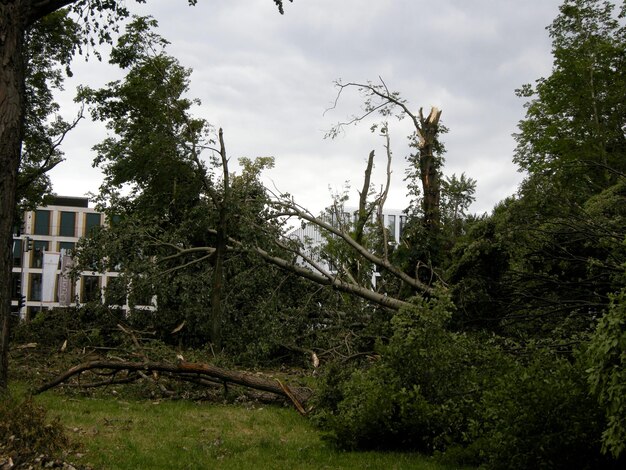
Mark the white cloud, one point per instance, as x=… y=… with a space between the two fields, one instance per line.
x=267 y=79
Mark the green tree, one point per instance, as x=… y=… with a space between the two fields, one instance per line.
x=573 y=132
x=607 y=373
x=17 y=17
x=50 y=45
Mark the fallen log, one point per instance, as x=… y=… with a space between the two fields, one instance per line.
x=297 y=395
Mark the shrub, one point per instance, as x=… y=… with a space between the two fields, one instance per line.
x=539 y=415
x=87 y=326
x=421 y=394
x=26 y=433
x=607 y=373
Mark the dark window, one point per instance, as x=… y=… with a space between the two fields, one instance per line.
x=91 y=289
x=141 y=292
x=39 y=246
x=91 y=220
x=67 y=246
x=16 y=286
x=17 y=253
x=35 y=287
x=391 y=220
x=402 y=225
x=68 y=224
x=33 y=311
x=115 y=293
x=115 y=219
x=42 y=222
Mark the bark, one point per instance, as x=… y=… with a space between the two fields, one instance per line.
x=184 y=370
x=15 y=17
x=220 y=252
x=364 y=214
x=12 y=25
x=429 y=171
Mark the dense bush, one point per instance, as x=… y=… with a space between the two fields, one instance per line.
x=607 y=373
x=90 y=325
x=422 y=392
x=25 y=431
x=435 y=390
x=539 y=415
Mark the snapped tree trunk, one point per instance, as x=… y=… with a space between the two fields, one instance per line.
x=11 y=131
x=220 y=249
x=429 y=171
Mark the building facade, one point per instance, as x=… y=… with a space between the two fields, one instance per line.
x=42 y=258
x=312 y=238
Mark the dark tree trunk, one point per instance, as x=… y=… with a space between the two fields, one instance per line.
x=220 y=251
x=429 y=170
x=12 y=26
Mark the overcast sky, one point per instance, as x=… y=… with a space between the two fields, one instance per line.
x=267 y=79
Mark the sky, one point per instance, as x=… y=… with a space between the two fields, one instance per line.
x=268 y=80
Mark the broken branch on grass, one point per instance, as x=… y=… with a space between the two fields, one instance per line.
x=181 y=371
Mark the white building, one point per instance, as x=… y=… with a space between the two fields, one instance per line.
x=312 y=238
x=42 y=257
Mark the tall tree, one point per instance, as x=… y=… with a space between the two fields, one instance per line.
x=573 y=133
x=17 y=17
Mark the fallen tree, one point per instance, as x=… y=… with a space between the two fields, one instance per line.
x=182 y=371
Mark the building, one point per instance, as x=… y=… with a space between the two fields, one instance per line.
x=42 y=249
x=312 y=238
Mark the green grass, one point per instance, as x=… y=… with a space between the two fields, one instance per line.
x=119 y=434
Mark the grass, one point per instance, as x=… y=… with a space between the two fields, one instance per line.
x=124 y=434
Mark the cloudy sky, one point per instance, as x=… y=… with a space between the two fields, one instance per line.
x=267 y=80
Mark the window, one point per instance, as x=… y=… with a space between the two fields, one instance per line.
x=42 y=222
x=67 y=246
x=32 y=312
x=115 y=293
x=115 y=219
x=402 y=225
x=39 y=246
x=91 y=221
x=67 y=227
x=34 y=292
x=391 y=223
x=17 y=253
x=16 y=286
x=90 y=289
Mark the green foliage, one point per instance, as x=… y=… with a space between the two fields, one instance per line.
x=539 y=415
x=26 y=432
x=50 y=45
x=421 y=393
x=88 y=326
x=607 y=373
x=573 y=130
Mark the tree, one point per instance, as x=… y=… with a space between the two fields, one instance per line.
x=50 y=45
x=17 y=17
x=427 y=161
x=573 y=132
x=607 y=372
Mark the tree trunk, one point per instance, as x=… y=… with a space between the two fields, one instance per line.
x=429 y=171
x=223 y=207
x=296 y=395
x=11 y=130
